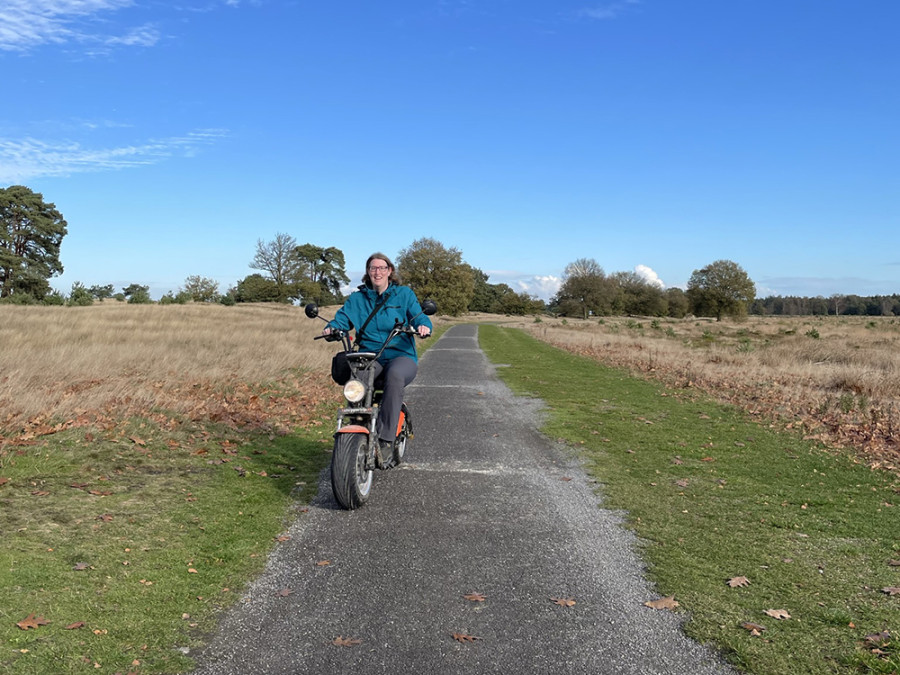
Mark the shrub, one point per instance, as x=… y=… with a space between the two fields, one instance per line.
x=140 y=297
x=80 y=296
x=54 y=298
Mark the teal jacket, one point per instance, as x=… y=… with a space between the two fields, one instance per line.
x=401 y=304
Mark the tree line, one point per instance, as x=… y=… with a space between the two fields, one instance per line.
x=31 y=231
x=836 y=305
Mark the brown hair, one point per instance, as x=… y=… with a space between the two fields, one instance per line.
x=393 y=277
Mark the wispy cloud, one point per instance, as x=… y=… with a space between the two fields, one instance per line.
x=25 y=24
x=609 y=10
x=30 y=158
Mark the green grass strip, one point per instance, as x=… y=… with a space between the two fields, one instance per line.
x=130 y=545
x=715 y=496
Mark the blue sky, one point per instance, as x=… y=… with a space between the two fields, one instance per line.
x=650 y=135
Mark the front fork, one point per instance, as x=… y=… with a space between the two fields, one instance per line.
x=361 y=421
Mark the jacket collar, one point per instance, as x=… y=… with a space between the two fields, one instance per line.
x=372 y=293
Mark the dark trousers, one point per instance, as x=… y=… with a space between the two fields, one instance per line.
x=394 y=376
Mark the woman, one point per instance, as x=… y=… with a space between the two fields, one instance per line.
x=398 y=364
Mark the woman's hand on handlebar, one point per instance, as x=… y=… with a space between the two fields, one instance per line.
x=329 y=335
x=423 y=331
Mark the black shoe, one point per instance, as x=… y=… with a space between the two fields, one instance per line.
x=385 y=455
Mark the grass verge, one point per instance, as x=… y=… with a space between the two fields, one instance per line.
x=715 y=497
x=129 y=541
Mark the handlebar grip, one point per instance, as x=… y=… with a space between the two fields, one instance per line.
x=335 y=336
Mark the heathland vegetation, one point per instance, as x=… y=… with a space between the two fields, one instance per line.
x=836 y=378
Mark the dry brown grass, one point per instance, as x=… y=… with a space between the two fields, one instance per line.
x=59 y=363
x=62 y=364
x=838 y=378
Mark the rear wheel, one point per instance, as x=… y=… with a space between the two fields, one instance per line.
x=351 y=482
x=403 y=437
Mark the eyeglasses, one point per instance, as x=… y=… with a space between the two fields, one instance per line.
x=381 y=268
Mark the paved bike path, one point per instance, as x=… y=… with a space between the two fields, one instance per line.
x=485 y=504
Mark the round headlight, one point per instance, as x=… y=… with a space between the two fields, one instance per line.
x=354 y=391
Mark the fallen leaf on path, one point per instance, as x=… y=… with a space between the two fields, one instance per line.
x=76 y=625
x=891 y=590
x=283 y=593
x=668 y=602
x=563 y=602
x=31 y=621
x=80 y=567
x=754 y=628
x=474 y=597
x=341 y=641
x=323 y=563
x=735 y=582
x=4 y=480
x=465 y=637
x=779 y=614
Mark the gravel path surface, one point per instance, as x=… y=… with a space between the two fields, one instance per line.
x=485 y=504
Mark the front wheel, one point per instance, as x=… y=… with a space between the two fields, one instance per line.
x=351 y=481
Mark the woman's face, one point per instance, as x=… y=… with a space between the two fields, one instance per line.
x=379 y=274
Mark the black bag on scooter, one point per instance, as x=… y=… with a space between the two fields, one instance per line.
x=340 y=368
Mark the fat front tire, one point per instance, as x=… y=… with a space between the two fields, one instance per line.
x=351 y=482
x=402 y=438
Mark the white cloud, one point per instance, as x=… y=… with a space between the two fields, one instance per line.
x=31 y=158
x=144 y=36
x=27 y=23
x=609 y=10
x=542 y=286
x=648 y=275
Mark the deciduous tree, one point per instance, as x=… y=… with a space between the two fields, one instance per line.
x=278 y=259
x=434 y=271
x=31 y=231
x=636 y=296
x=256 y=288
x=722 y=288
x=585 y=290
